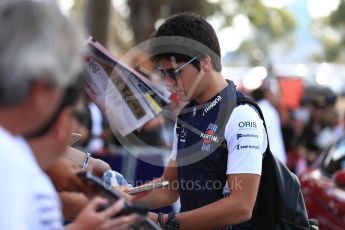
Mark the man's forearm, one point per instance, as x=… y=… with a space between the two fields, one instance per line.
x=164 y=196
x=231 y=210
x=159 y=197
x=226 y=211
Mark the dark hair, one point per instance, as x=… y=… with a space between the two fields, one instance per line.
x=197 y=30
x=258 y=94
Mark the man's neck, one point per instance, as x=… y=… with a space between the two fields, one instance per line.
x=215 y=83
x=13 y=120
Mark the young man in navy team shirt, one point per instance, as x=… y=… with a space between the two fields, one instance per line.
x=200 y=173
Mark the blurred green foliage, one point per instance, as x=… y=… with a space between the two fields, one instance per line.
x=331 y=33
x=269 y=24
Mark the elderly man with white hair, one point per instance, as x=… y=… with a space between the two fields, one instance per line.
x=40 y=59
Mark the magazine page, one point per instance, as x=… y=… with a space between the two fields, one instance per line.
x=124 y=104
x=160 y=94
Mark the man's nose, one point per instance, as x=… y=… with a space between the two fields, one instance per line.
x=170 y=81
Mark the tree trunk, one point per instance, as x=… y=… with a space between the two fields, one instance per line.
x=143 y=16
x=97 y=19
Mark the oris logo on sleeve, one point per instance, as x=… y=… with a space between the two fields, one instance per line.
x=247 y=125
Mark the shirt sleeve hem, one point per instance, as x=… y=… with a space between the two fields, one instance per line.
x=241 y=172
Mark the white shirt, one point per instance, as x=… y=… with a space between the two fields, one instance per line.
x=28 y=199
x=96 y=143
x=274 y=129
x=246 y=142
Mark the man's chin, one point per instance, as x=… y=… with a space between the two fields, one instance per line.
x=184 y=98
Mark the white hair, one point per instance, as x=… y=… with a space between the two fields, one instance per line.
x=36 y=43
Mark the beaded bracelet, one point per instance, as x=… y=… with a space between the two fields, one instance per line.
x=172 y=223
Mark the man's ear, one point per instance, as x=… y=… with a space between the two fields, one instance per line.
x=206 y=64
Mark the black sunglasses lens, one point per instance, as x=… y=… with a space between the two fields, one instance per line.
x=172 y=74
x=168 y=72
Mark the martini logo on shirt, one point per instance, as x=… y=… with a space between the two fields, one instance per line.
x=212 y=104
x=209 y=136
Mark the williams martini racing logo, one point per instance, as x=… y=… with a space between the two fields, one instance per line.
x=209 y=136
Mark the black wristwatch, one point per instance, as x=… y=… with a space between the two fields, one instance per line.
x=172 y=223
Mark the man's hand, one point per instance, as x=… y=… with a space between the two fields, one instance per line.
x=63 y=175
x=63 y=171
x=72 y=204
x=91 y=219
x=96 y=166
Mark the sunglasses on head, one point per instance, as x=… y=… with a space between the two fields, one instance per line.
x=174 y=73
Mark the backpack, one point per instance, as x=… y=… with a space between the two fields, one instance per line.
x=279 y=204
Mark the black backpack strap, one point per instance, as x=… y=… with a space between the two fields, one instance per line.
x=264 y=213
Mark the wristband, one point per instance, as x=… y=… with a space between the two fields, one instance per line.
x=172 y=223
x=86 y=161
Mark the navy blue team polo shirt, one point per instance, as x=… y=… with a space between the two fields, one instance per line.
x=201 y=161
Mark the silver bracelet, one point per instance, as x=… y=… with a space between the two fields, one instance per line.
x=86 y=161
